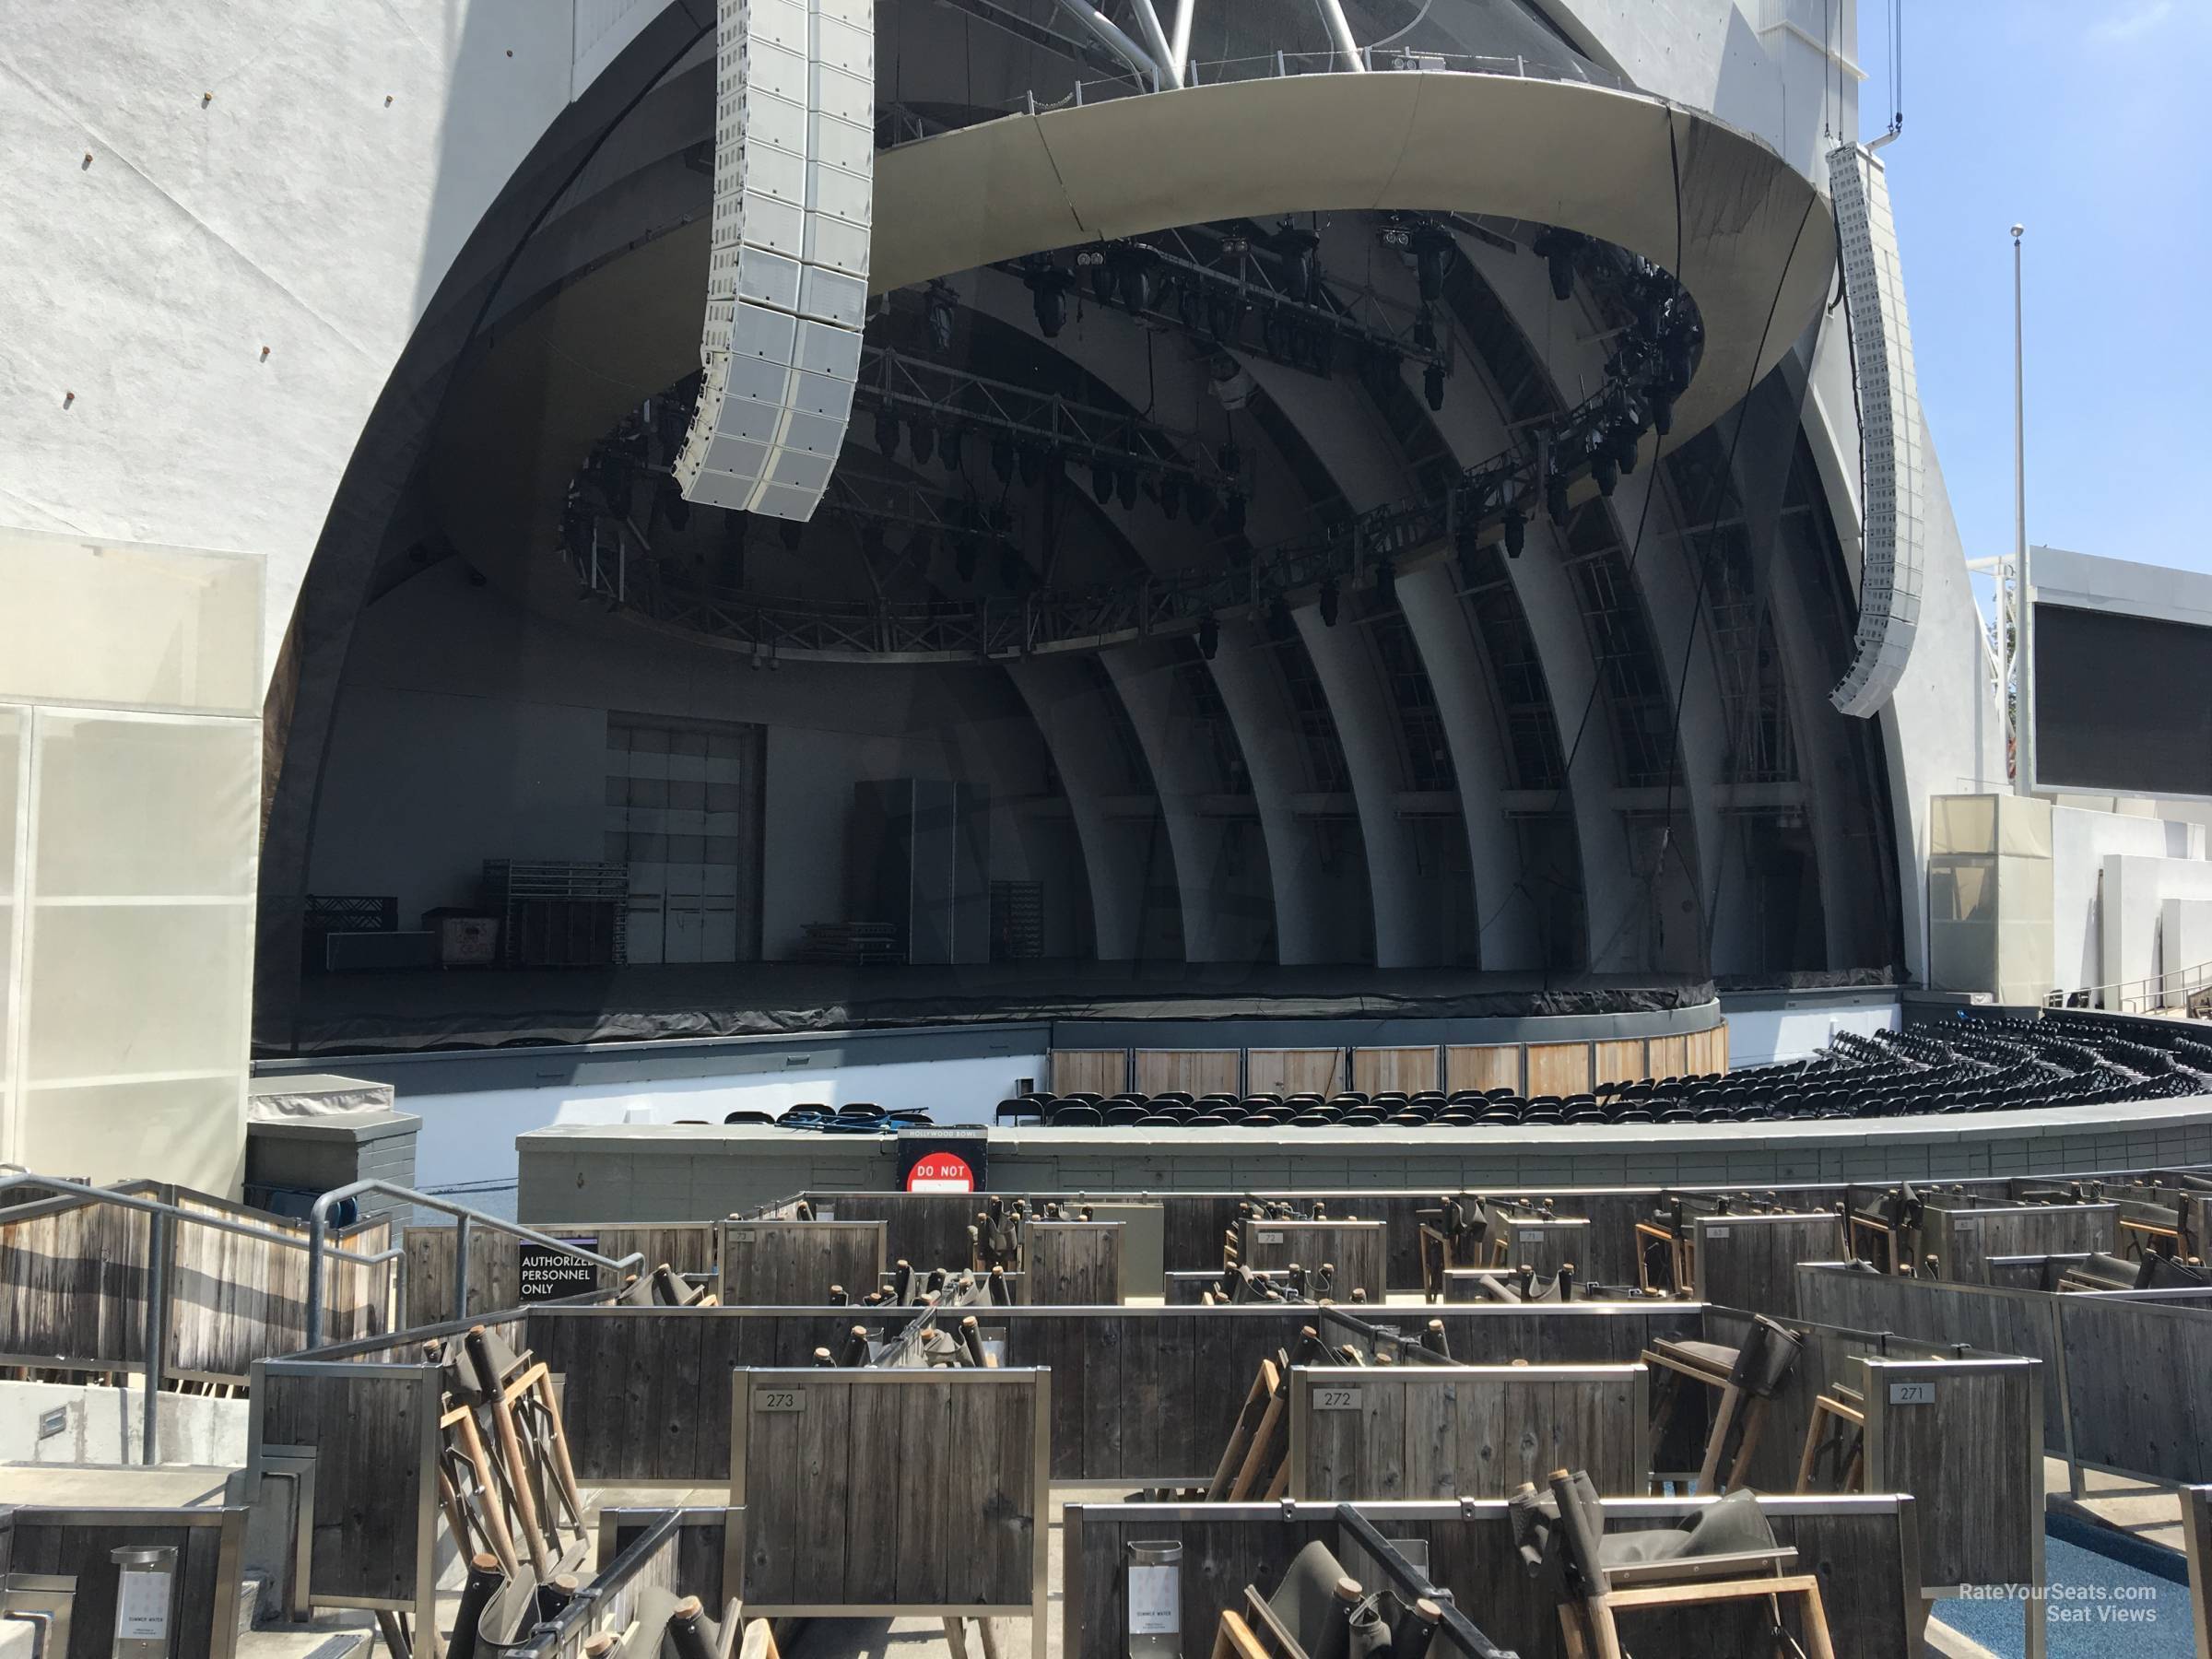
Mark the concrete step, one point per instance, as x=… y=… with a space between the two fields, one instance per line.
x=305 y=1642
x=249 y=1599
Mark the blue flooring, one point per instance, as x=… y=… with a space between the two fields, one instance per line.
x=2100 y=1608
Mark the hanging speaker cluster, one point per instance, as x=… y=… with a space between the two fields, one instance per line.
x=787 y=283
x=1890 y=512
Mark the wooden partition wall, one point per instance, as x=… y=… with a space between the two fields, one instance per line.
x=1073 y=1263
x=1293 y=1071
x=796 y=1264
x=1147 y=1397
x=1465 y=1430
x=495 y=1261
x=1750 y=1261
x=1862 y=1547
x=1963 y=1241
x=948 y=1466
x=1359 y=1249
x=76 y=1543
x=1189 y=1071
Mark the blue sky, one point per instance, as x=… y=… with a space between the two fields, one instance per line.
x=2073 y=118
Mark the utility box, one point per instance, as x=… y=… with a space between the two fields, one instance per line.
x=466 y=938
x=307 y=1135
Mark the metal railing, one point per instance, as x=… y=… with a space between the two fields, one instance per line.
x=2135 y=995
x=464 y=1219
x=159 y=1251
x=909 y=125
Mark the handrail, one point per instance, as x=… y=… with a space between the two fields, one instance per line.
x=318 y=1231
x=158 y=1262
x=2195 y=978
x=1414 y=1584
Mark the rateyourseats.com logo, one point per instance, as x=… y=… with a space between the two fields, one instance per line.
x=2088 y=1604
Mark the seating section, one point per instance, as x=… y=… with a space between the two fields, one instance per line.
x=1976 y=1065
x=1973 y=1065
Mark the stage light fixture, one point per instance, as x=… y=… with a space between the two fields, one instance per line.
x=1604 y=470
x=1170 y=496
x=922 y=438
x=1232 y=521
x=1555 y=249
x=1230 y=459
x=1101 y=275
x=1327 y=600
x=1432 y=249
x=1662 y=413
x=1125 y=484
x=1516 y=533
x=1300 y=251
x=1432 y=384
x=1002 y=458
x=1048 y=285
x=942 y=305
x=1624 y=447
x=1033 y=464
x=949 y=448
x=1102 y=480
x=1424 y=330
x=1224 y=311
x=1209 y=636
x=886 y=432
x=1555 y=497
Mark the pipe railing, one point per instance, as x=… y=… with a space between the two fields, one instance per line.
x=159 y=1249
x=465 y=1218
x=2133 y=995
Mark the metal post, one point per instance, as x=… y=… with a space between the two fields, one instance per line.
x=461 y=1267
x=157 y=1333
x=2014 y=654
x=317 y=1236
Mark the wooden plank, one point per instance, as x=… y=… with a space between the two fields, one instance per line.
x=1668 y=1056
x=368 y=1433
x=921 y=1479
x=1558 y=1068
x=1074 y=1263
x=1962 y=1239
x=824 y=1437
x=1188 y=1071
x=1546 y=1245
x=1359 y=1249
x=1089 y=1071
x=1403 y=1069
x=879 y=1452
x=1483 y=1066
x=1620 y=1061
x=1293 y=1071
x=795 y=1264
x=773 y=1498
x=1971 y=1452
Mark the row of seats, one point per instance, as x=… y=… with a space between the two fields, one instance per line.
x=1975 y=1065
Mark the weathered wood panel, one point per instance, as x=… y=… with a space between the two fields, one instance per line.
x=1190 y=1071
x=1089 y=1071
x=1293 y=1071
x=1359 y=1249
x=1149 y=1395
x=1558 y=1068
x=1706 y=1053
x=72 y=1282
x=1074 y=1263
x=1961 y=1436
x=1620 y=1061
x=1668 y=1056
x=2138 y=1383
x=1530 y=1242
x=372 y=1429
x=929 y=1230
x=1962 y=1241
x=795 y=1264
x=943 y=1464
x=1483 y=1066
x=1365 y=1433
x=1403 y=1069
x=495 y=1273
x=77 y=1543
x=1750 y=1261
x=1861 y=1549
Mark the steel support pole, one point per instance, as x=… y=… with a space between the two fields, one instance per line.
x=157 y=1333
x=2023 y=670
x=461 y=1267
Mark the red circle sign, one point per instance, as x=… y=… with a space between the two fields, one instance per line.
x=941 y=1173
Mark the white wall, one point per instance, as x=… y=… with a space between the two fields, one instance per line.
x=2136 y=891
x=103 y=1426
x=470 y=1137
x=2082 y=840
x=1770 y=1036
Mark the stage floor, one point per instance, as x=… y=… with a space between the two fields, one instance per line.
x=405 y=1012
